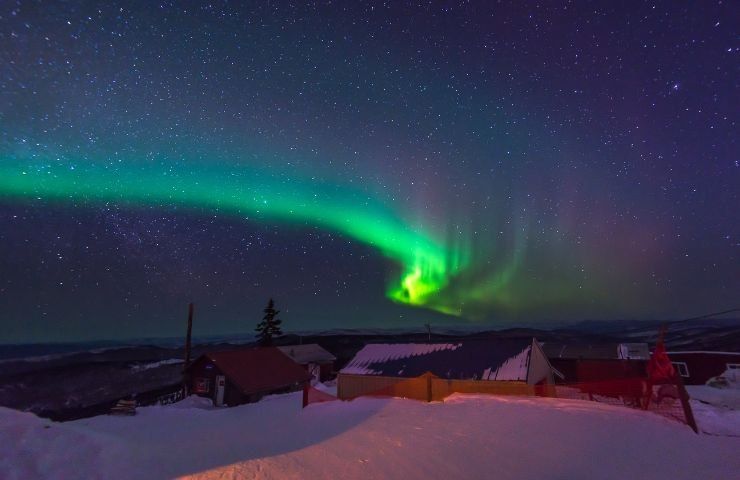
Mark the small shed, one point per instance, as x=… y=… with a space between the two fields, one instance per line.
x=243 y=376
x=697 y=367
x=596 y=362
x=597 y=351
x=317 y=361
x=496 y=360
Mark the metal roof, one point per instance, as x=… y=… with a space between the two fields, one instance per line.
x=260 y=369
x=493 y=359
x=308 y=353
x=580 y=350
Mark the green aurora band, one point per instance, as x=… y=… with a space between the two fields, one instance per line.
x=427 y=264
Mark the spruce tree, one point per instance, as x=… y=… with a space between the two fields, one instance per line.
x=269 y=327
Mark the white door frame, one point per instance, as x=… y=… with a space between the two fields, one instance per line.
x=220 y=388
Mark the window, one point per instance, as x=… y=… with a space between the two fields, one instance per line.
x=733 y=366
x=682 y=368
x=202 y=385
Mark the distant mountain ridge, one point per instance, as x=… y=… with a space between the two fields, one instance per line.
x=720 y=331
x=55 y=380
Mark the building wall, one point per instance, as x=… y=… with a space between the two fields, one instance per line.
x=601 y=370
x=233 y=395
x=327 y=369
x=426 y=387
x=350 y=386
x=598 y=370
x=568 y=367
x=205 y=369
x=442 y=387
x=702 y=366
x=539 y=367
x=633 y=351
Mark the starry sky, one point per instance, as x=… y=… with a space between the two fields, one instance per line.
x=366 y=164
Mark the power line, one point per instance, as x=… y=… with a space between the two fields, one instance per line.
x=708 y=315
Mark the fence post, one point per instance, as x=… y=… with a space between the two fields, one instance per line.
x=687 y=412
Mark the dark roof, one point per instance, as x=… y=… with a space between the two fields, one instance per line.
x=258 y=369
x=493 y=359
x=596 y=351
x=308 y=353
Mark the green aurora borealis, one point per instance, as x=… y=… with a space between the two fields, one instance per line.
x=427 y=263
x=491 y=163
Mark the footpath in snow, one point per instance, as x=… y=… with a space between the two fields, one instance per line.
x=467 y=436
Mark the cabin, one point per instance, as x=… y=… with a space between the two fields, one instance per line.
x=697 y=367
x=597 y=362
x=235 y=377
x=317 y=361
x=377 y=366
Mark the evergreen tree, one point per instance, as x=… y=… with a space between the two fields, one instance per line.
x=269 y=327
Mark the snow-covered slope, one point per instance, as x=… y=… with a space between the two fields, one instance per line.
x=464 y=437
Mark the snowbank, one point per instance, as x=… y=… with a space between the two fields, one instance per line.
x=147 y=366
x=721 y=397
x=467 y=436
x=717 y=410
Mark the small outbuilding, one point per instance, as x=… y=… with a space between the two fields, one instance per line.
x=246 y=375
x=598 y=362
x=597 y=351
x=316 y=360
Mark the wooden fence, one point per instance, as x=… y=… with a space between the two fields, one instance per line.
x=427 y=387
x=353 y=386
x=669 y=400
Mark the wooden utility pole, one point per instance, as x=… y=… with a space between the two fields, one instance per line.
x=188 y=337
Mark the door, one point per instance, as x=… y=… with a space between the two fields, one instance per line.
x=220 y=387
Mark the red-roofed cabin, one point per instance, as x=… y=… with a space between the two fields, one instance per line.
x=244 y=376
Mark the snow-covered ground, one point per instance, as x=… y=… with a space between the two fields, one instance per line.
x=717 y=410
x=147 y=366
x=467 y=436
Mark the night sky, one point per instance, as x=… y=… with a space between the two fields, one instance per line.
x=367 y=165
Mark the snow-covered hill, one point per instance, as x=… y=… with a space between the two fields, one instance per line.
x=464 y=437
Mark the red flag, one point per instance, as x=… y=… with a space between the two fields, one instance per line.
x=659 y=368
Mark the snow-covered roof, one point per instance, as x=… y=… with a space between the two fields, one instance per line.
x=308 y=353
x=381 y=353
x=495 y=359
x=513 y=368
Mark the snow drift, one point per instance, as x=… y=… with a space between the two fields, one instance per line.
x=467 y=436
